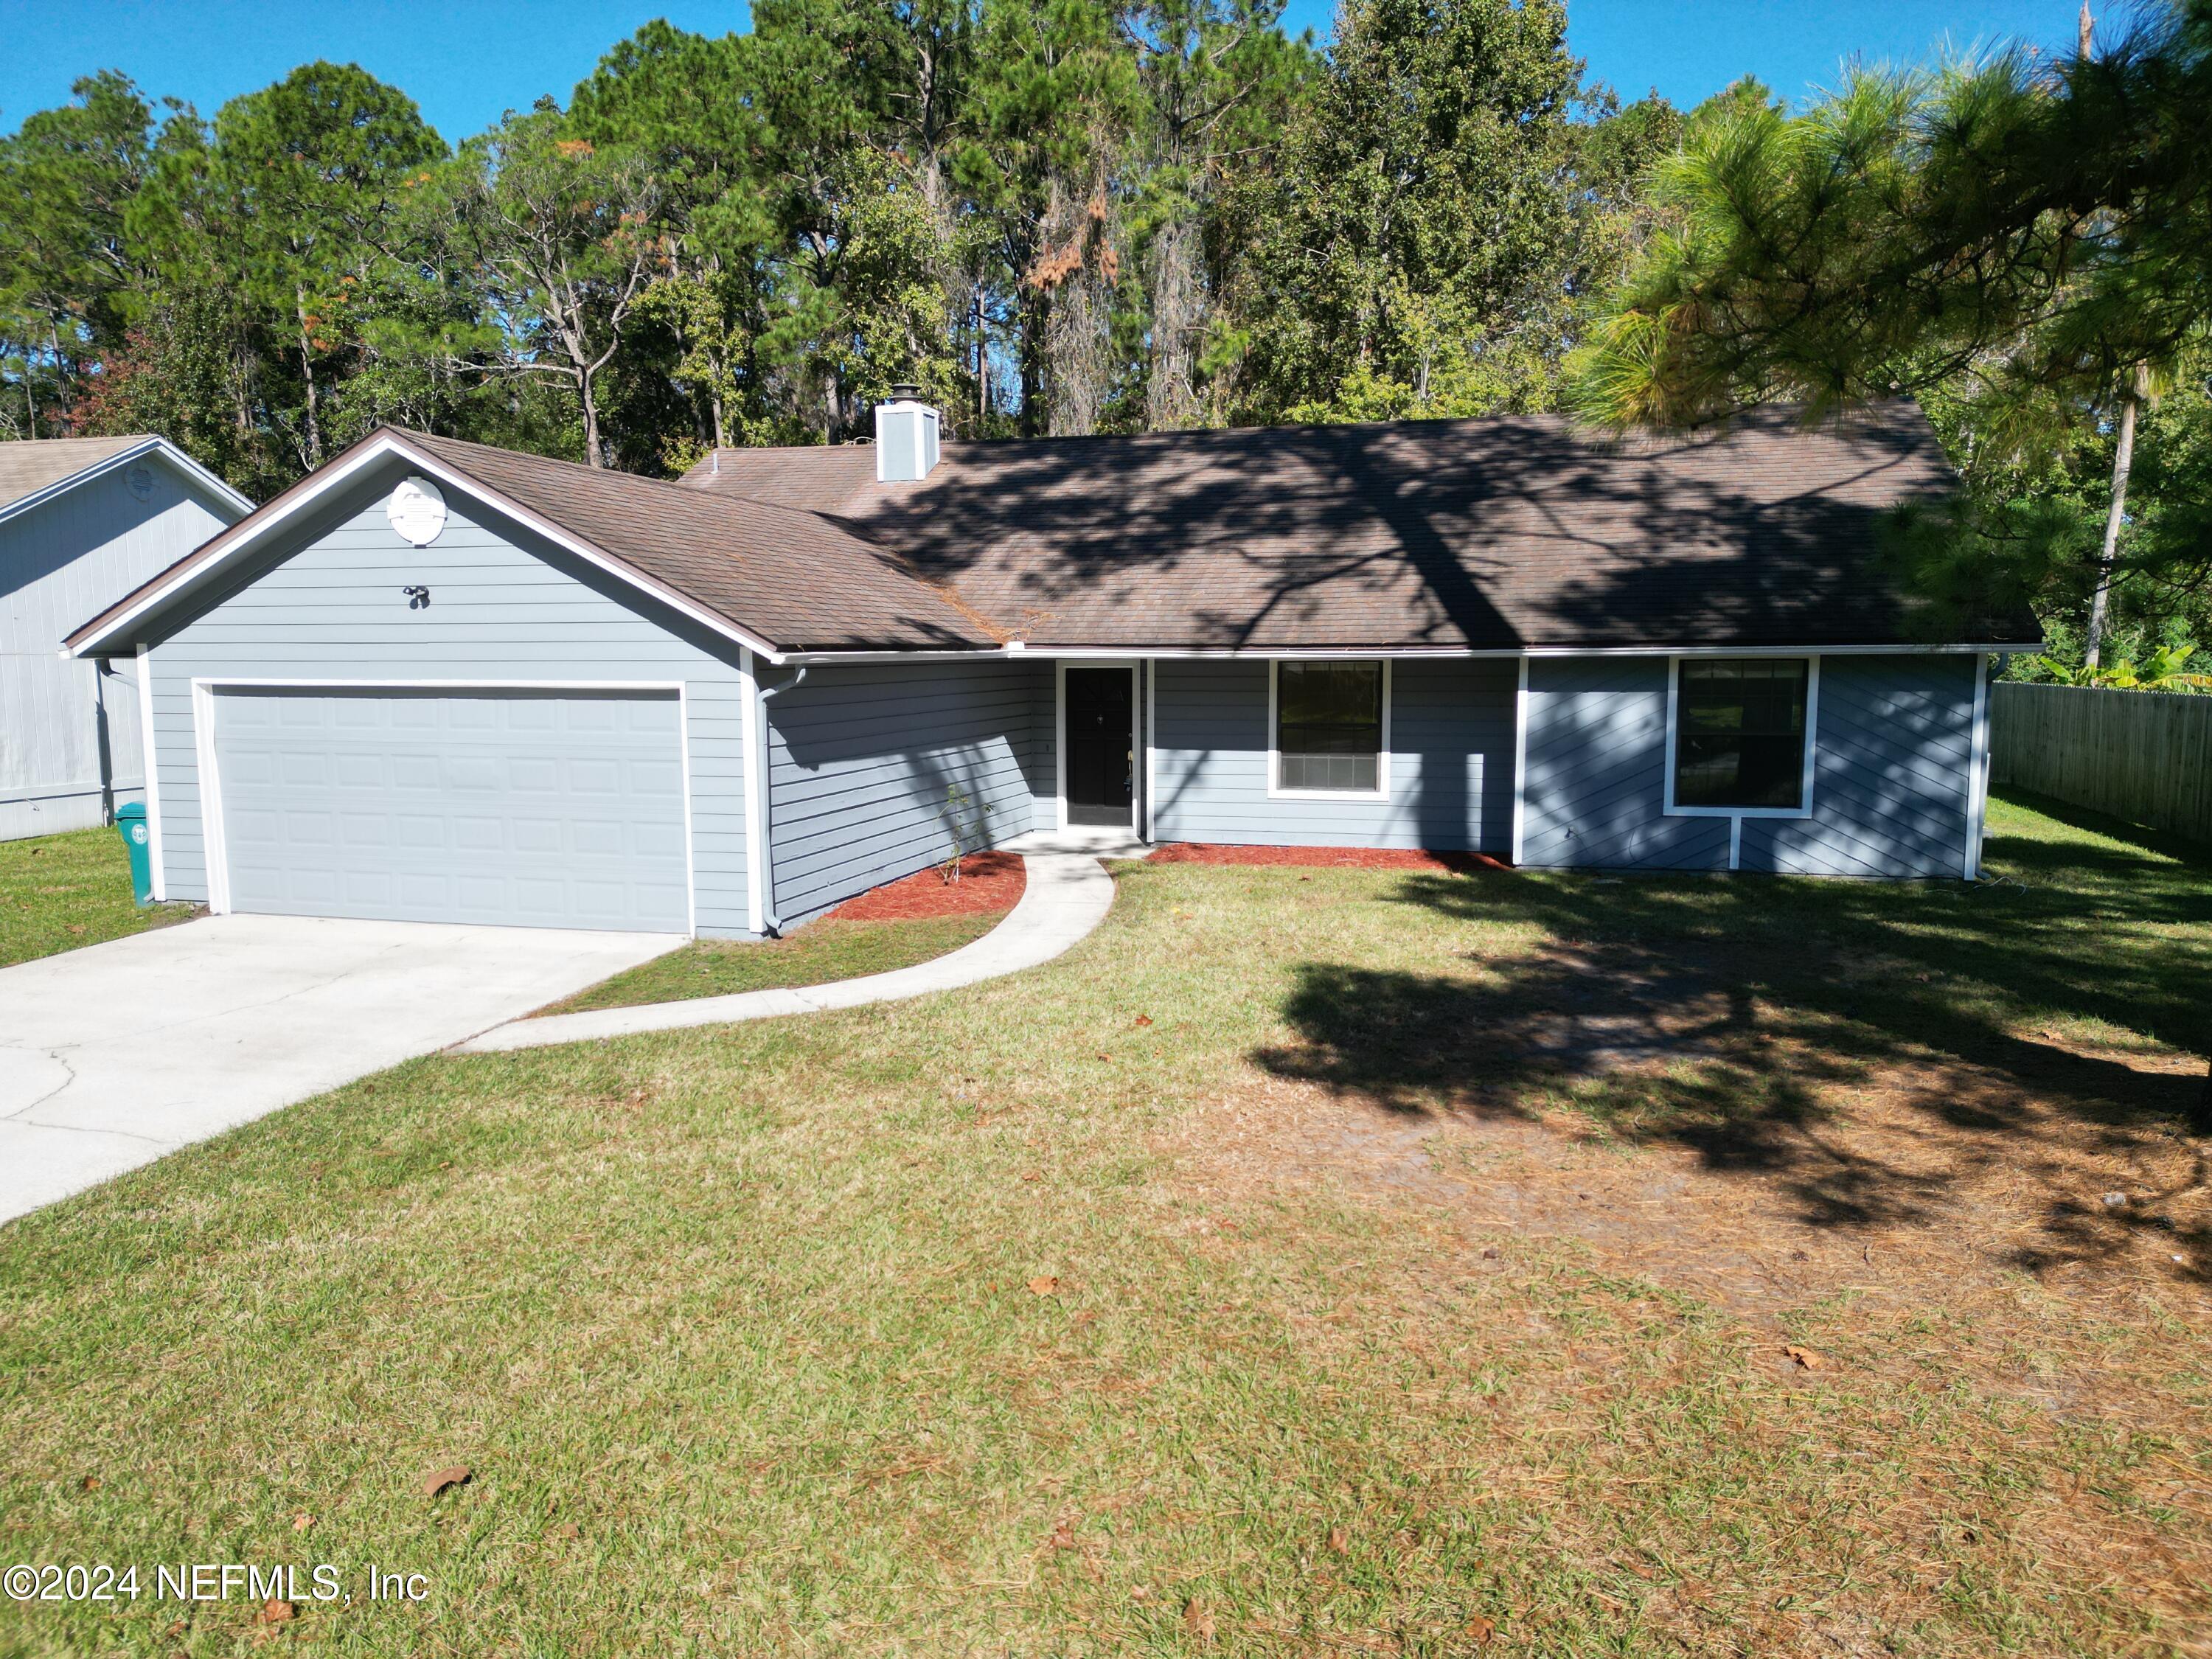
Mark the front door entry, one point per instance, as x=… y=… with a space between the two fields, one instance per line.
x=1100 y=745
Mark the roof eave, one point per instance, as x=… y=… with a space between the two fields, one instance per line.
x=100 y=636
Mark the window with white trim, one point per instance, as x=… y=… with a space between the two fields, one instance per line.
x=1740 y=731
x=1329 y=736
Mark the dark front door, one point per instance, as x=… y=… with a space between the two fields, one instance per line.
x=1100 y=745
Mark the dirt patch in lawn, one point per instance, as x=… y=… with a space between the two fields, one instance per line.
x=1326 y=858
x=990 y=883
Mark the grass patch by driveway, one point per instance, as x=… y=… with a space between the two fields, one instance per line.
x=817 y=954
x=58 y=892
x=1309 y=1262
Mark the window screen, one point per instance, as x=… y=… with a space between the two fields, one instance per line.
x=1328 y=725
x=1740 y=734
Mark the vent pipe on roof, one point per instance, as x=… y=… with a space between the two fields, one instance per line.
x=906 y=437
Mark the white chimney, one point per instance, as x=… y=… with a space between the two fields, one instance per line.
x=906 y=437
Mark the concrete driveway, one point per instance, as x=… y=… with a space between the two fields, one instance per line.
x=114 y=1054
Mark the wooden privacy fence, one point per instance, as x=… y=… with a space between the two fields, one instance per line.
x=2142 y=755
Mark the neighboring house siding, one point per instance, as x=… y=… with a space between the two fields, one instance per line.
x=1451 y=761
x=62 y=563
x=503 y=606
x=860 y=760
x=1890 y=772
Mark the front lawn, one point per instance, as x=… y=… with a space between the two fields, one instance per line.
x=818 y=953
x=58 y=892
x=1312 y=1262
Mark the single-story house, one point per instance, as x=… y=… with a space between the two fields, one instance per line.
x=440 y=681
x=83 y=519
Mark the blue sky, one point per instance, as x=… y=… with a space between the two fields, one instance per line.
x=465 y=60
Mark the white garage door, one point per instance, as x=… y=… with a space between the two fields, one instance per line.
x=528 y=808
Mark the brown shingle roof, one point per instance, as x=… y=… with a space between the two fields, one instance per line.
x=801 y=580
x=1496 y=533
x=796 y=579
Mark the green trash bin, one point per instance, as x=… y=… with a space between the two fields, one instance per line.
x=131 y=819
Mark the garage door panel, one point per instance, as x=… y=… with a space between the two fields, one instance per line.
x=552 y=810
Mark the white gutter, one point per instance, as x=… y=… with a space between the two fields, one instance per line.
x=1018 y=651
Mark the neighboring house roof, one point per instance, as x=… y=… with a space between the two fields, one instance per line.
x=773 y=577
x=1506 y=532
x=1502 y=534
x=36 y=469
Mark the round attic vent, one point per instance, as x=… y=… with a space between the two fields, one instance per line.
x=417 y=511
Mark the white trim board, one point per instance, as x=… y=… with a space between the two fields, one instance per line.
x=1978 y=774
x=1151 y=749
x=1276 y=792
x=1736 y=815
x=1137 y=805
x=752 y=712
x=1018 y=650
x=215 y=852
x=255 y=529
x=150 y=760
x=1520 y=763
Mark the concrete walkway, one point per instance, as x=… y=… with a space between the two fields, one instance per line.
x=113 y=1055
x=1067 y=894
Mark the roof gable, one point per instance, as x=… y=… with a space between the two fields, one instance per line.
x=764 y=576
x=35 y=471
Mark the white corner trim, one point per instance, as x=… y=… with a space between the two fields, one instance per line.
x=1978 y=780
x=149 y=755
x=690 y=840
x=1735 y=840
x=750 y=711
x=1670 y=808
x=1152 y=748
x=214 y=849
x=1521 y=762
x=1059 y=745
x=1275 y=790
x=256 y=528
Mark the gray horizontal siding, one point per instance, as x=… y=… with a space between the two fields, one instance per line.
x=1891 y=772
x=1891 y=776
x=61 y=564
x=861 y=758
x=1451 y=761
x=503 y=606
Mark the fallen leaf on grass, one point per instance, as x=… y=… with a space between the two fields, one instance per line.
x=73 y=927
x=1479 y=1630
x=92 y=1483
x=274 y=1611
x=1197 y=1621
x=568 y=1529
x=1063 y=1534
x=436 y=1483
x=1806 y=1357
x=1339 y=1541
x=1033 y=1175
x=1045 y=1284
x=1144 y=1020
x=302 y=1521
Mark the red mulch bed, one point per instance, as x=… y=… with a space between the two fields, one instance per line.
x=989 y=882
x=1328 y=857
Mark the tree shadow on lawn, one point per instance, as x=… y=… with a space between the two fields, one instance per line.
x=1714 y=1014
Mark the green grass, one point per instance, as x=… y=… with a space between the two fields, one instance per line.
x=817 y=954
x=58 y=892
x=736 y=1327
